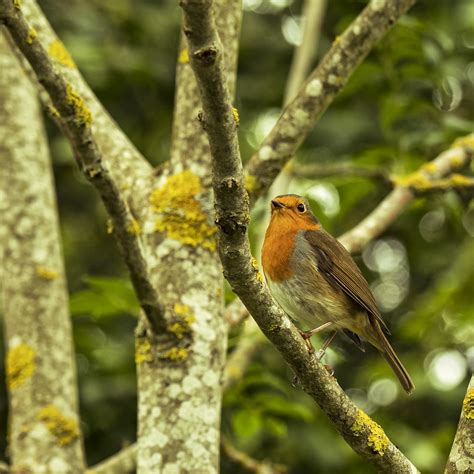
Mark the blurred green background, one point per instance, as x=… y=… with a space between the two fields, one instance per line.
x=405 y=104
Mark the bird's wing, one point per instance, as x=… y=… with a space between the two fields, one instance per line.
x=337 y=266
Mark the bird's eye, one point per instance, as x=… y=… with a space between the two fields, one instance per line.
x=301 y=207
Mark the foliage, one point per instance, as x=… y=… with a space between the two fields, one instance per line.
x=404 y=105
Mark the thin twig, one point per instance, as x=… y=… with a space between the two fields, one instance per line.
x=404 y=193
x=76 y=120
x=304 y=54
x=320 y=89
x=123 y=462
x=248 y=463
x=232 y=210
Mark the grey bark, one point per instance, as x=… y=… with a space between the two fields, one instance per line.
x=40 y=366
x=180 y=378
x=461 y=457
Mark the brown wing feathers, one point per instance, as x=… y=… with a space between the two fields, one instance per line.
x=337 y=266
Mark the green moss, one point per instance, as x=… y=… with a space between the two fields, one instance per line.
x=468 y=404
x=81 y=112
x=180 y=213
x=32 y=34
x=143 y=351
x=58 y=52
x=20 y=365
x=63 y=428
x=377 y=439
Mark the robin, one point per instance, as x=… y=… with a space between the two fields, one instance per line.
x=316 y=281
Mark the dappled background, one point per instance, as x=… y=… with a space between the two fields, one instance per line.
x=408 y=101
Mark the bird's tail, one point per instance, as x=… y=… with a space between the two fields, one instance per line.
x=391 y=357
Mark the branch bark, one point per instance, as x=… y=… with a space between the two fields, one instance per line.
x=393 y=205
x=232 y=208
x=44 y=431
x=461 y=457
x=76 y=120
x=180 y=379
x=124 y=462
x=319 y=90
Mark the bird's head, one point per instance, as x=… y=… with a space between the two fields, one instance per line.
x=293 y=211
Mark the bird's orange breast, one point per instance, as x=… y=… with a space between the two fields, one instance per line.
x=276 y=253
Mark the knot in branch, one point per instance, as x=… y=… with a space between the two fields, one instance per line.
x=206 y=56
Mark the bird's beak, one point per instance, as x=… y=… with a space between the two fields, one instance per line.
x=276 y=205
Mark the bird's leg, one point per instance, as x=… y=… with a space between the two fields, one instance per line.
x=327 y=342
x=306 y=335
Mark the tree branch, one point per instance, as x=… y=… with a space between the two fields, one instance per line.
x=76 y=119
x=319 y=90
x=123 y=462
x=461 y=457
x=248 y=463
x=405 y=191
x=232 y=208
x=313 y=13
x=41 y=382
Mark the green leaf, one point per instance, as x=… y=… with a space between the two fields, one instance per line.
x=106 y=296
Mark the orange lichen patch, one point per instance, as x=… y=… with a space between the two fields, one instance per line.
x=377 y=439
x=47 y=273
x=181 y=216
x=58 y=51
x=63 y=428
x=20 y=365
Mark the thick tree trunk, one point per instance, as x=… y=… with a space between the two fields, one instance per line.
x=44 y=433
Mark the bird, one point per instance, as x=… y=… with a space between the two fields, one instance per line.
x=316 y=282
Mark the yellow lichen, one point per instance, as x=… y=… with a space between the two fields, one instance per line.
x=110 y=226
x=20 y=365
x=235 y=113
x=183 y=321
x=81 y=112
x=430 y=167
x=467 y=141
x=134 y=227
x=17 y=3
x=183 y=56
x=255 y=266
x=414 y=180
x=180 y=214
x=32 y=34
x=176 y=353
x=58 y=51
x=377 y=439
x=53 y=111
x=143 y=351
x=461 y=180
x=47 y=273
x=250 y=183
x=468 y=404
x=63 y=428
